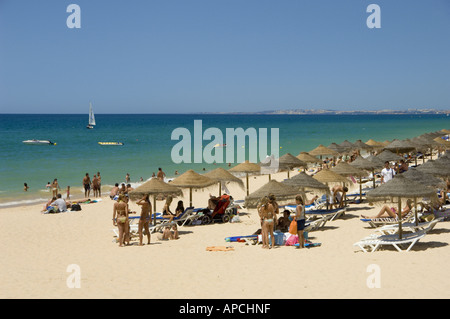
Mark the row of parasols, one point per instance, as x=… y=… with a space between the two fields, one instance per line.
x=290 y=187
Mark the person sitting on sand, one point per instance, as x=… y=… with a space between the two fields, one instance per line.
x=145 y=219
x=46 y=206
x=403 y=167
x=284 y=222
x=169 y=234
x=120 y=209
x=212 y=202
x=60 y=203
x=114 y=191
x=267 y=215
x=387 y=211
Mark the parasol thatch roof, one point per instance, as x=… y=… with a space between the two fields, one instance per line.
x=289 y=161
x=191 y=179
x=376 y=160
x=327 y=176
x=308 y=158
x=337 y=148
x=346 y=169
x=400 y=186
x=322 y=150
x=400 y=146
x=303 y=180
x=155 y=187
x=280 y=190
x=222 y=175
x=362 y=146
x=362 y=163
x=246 y=167
x=374 y=143
x=348 y=146
x=423 y=178
x=387 y=155
x=435 y=168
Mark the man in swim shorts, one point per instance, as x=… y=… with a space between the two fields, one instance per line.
x=87 y=185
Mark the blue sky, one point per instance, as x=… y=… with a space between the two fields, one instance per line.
x=172 y=56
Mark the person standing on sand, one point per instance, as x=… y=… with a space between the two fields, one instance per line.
x=87 y=185
x=267 y=215
x=145 y=219
x=55 y=187
x=95 y=185
x=161 y=174
x=120 y=209
x=301 y=219
x=99 y=184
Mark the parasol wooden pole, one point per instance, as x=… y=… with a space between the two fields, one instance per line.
x=400 y=231
x=360 y=189
x=415 y=211
x=190 y=196
x=373 y=176
x=246 y=175
x=154 y=209
x=220 y=187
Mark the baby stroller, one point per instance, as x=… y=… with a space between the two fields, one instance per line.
x=220 y=213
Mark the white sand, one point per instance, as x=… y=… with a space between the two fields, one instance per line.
x=37 y=250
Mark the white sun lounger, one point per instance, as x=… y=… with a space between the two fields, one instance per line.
x=411 y=226
x=371 y=244
x=377 y=222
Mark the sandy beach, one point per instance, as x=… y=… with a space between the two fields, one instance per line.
x=40 y=249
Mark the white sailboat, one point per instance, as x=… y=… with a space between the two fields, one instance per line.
x=91 y=118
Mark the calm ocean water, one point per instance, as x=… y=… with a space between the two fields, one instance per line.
x=147 y=144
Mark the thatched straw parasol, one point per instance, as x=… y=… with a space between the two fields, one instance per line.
x=362 y=163
x=401 y=187
x=223 y=176
x=247 y=168
x=377 y=161
x=346 y=169
x=435 y=168
x=155 y=187
x=191 y=179
x=307 y=158
x=400 y=146
x=337 y=148
x=362 y=146
x=303 y=181
x=374 y=144
x=327 y=176
x=322 y=150
x=289 y=161
x=423 y=178
x=348 y=146
x=445 y=131
x=281 y=191
x=387 y=155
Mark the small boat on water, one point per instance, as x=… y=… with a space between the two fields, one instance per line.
x=110 y=143
x=91 y=117
x=38 y=142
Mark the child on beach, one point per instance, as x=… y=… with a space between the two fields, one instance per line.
x=169 y=234
x=68 y=192
x=25 y=187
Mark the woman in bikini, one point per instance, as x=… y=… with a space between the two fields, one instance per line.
x=166 y=213
x=267 y=215
x=145 y=219
x=387 y=211
x=121 y=210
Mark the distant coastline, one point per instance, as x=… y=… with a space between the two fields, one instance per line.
x=338 y=112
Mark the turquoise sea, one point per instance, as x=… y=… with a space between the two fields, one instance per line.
x=148 y=145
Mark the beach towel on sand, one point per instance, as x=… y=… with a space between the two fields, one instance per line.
x=219 y=248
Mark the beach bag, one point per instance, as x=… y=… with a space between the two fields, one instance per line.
x=293 y=227
x=292 y=240
x=75 y=207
